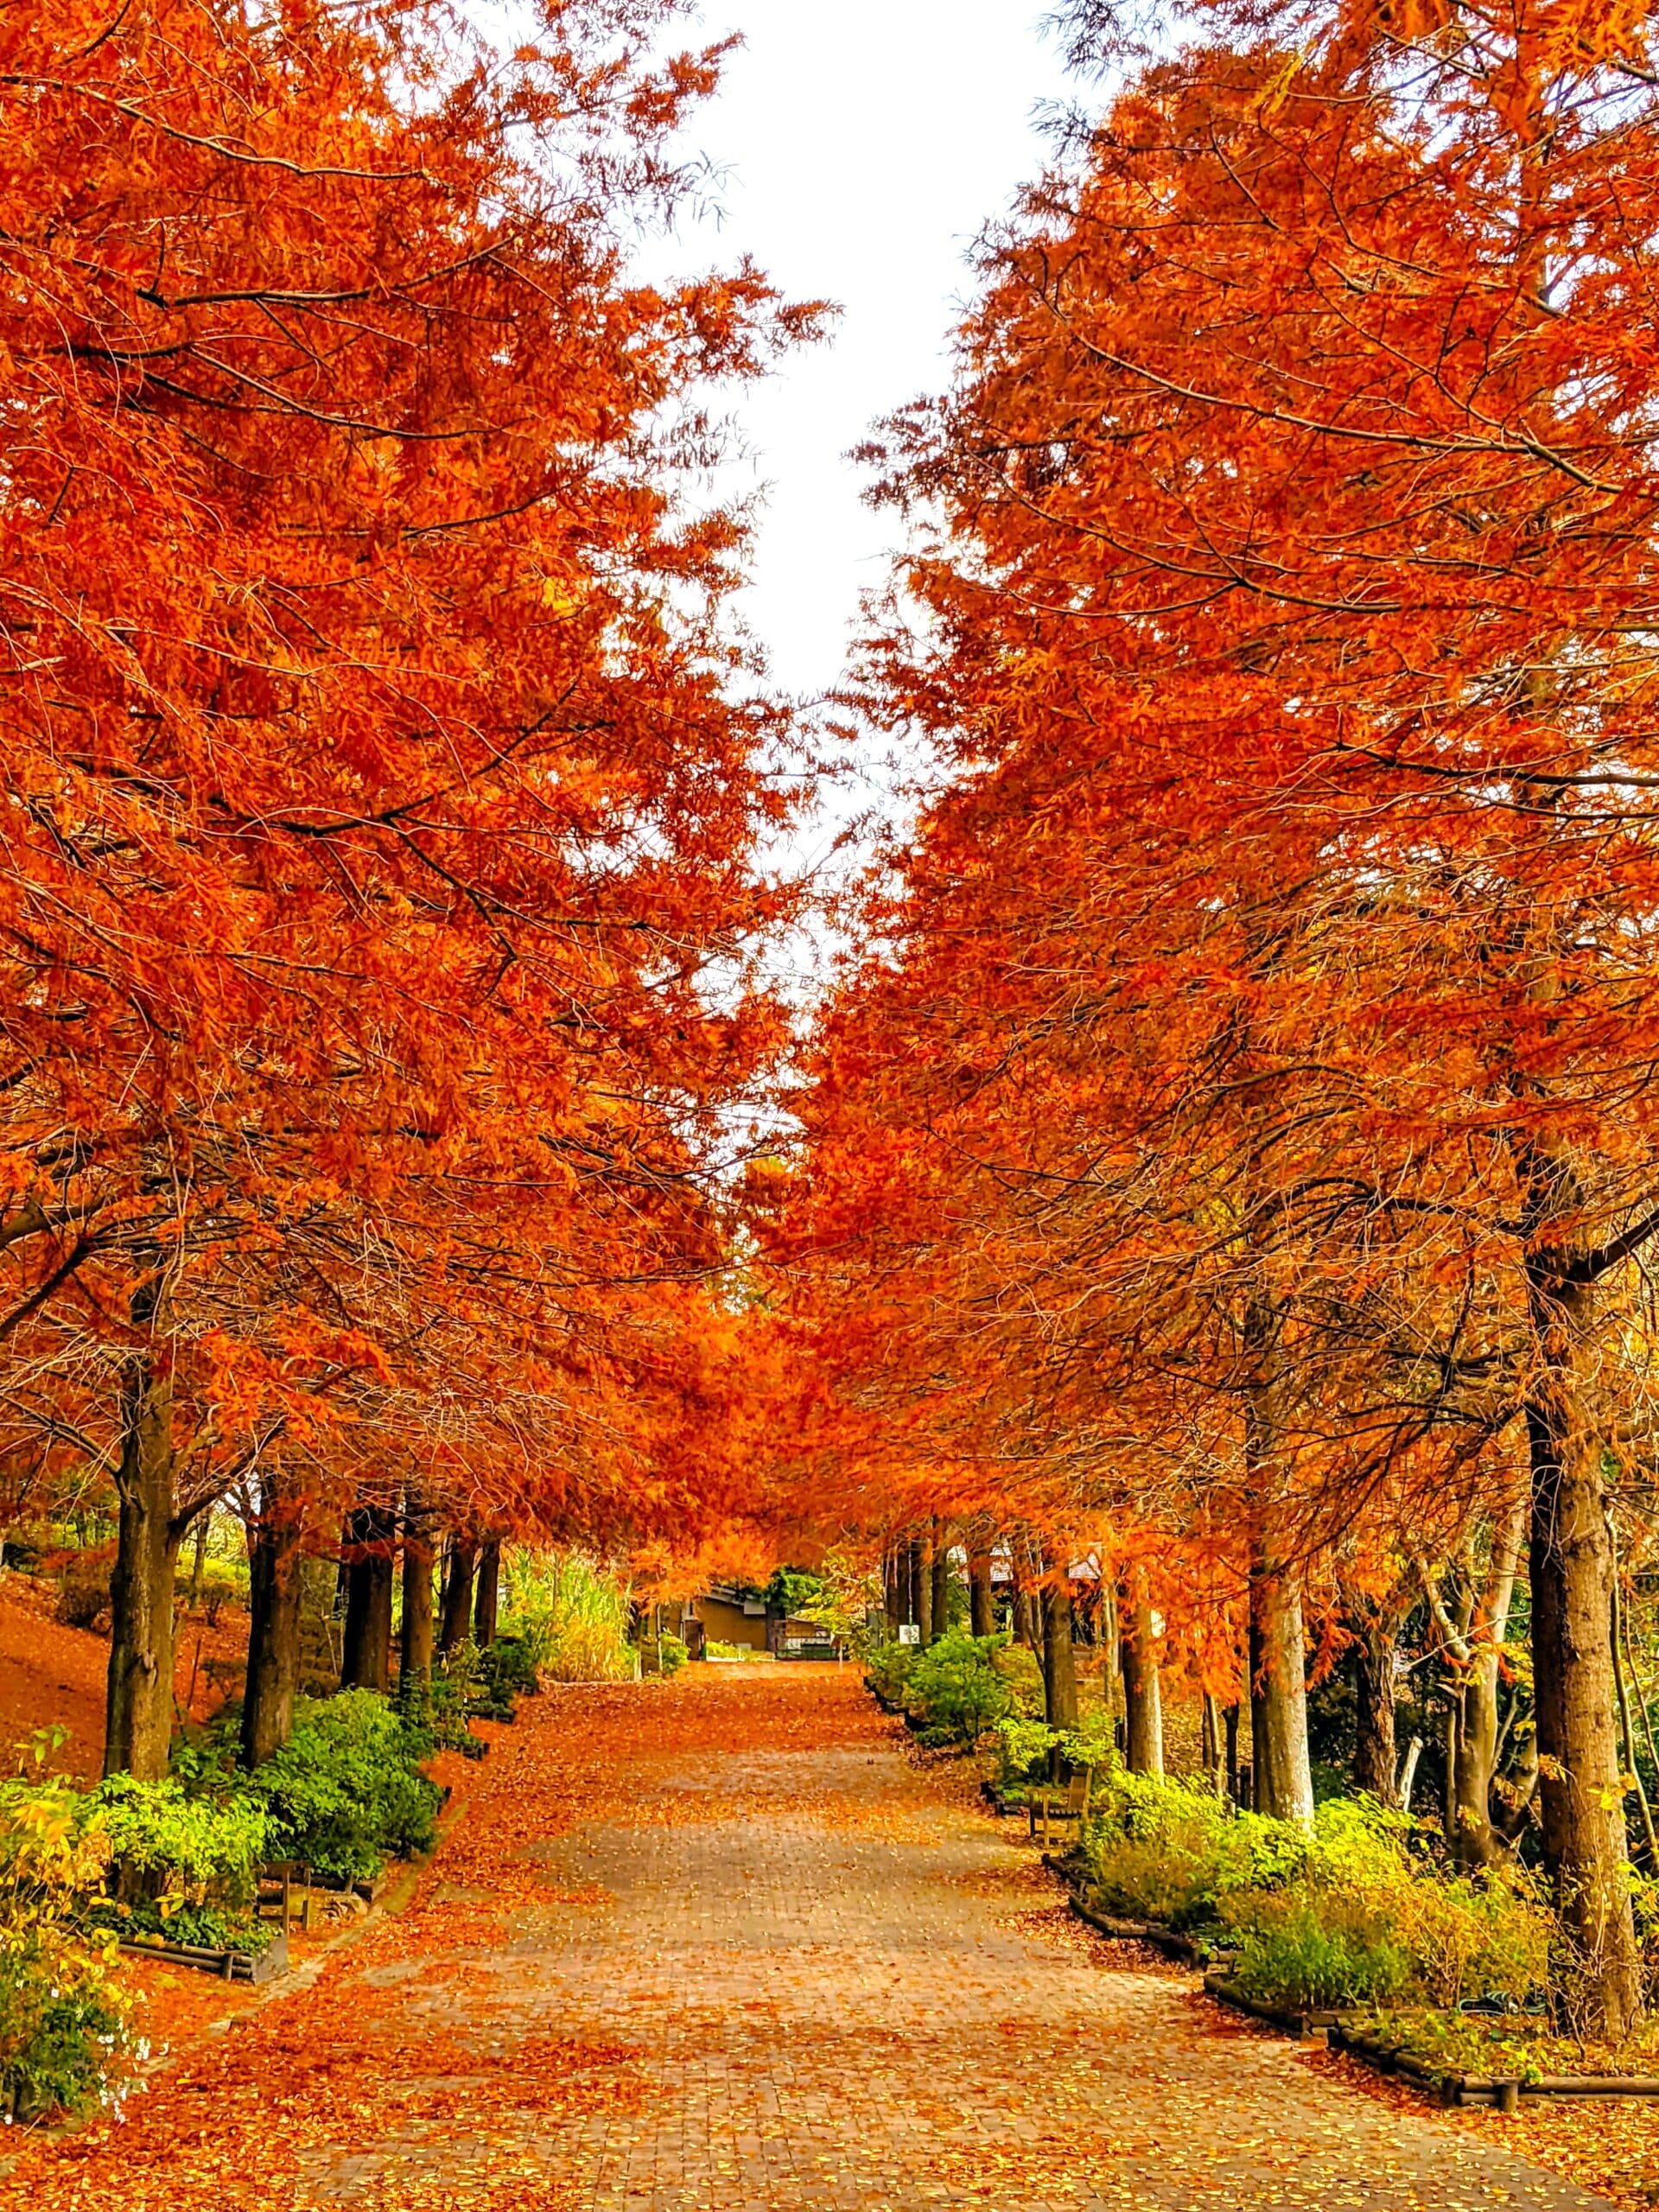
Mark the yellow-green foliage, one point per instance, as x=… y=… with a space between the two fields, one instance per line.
x=62 y=2016
x=1342 y=1914
x=572 y=1616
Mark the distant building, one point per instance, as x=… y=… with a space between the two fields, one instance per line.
x=729 y=1613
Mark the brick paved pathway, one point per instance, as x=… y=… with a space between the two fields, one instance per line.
x=717 y=1944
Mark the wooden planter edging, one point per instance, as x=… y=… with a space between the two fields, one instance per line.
x=1169 y=1941
x=1306 y=2026
x=1504 y=2091
x=229 y=1965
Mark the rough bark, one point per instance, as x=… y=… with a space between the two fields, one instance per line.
x=276 y=1589
x=487 y=1603
x=457 y=1592
x=1572 y=1576
x=139 y=1708
x=1283 y=1770
x=982 y=1613
x=1059 y=1660
x=366 y=1663
x=419 y=1635
x=1025 y=1618
x=940 y=1592
x=1376 y=1757
x=1143 y=1704
x=1473 y=1643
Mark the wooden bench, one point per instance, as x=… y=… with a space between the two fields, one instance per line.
x=1057 y=1805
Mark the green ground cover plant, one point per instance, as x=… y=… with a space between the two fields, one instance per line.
x=1351 y=1911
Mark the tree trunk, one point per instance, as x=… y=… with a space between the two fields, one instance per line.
x=941 y=1605
x=276 y=1586
x=1375 y=1755
x=1572 y=1574
x=487 y=1605
x=366 y=1663
x=982 y=1614
x=1211 y=1757
x=199 y=1555
x=457 y=1592
x=419 y=1630
x=138 y=1708
x=1059 y=1660
x=892 y=1590
x=1234 y=1779
x=922 y=1570
x=1283 y=1771
x=1025 y=1618
x=1143 y=1703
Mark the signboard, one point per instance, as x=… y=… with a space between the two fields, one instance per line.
x=909 y=1632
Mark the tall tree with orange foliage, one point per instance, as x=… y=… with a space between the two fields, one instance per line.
x=1272 y=998
x=382 y=781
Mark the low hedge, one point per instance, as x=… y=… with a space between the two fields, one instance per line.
x=1350 y=1911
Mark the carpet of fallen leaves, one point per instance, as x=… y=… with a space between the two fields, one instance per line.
x=52 y=1675
x=500 y=2039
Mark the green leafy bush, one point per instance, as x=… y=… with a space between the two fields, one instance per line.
x=1340 y=1914
x=1024 y=1745
x=1022 y=1671
x=168 y=1840
x=346 y=1792
x=510 y=1669
x=889 y=1670
x=63 y=2017
x=663 y=1655
x=955 y=1689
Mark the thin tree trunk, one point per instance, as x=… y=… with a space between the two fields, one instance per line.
x=1375 y=1753
x=457 y=1591
x=982 y=1613
x=138 y=1708
x=1025 y=1618
x=419 y=1629
x=1231 y=1717
x=891 y=1589
x=922 y=1569
x=1059 y=1659
x=366 y=1662
x=941 y=1593
x=1143 y=1704
x=1571 y=1564
x=199 y=1555
x=488 y=1603
x=275 y=1587
x=1210 y=1747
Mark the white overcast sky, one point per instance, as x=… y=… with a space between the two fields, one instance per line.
x=863 y=144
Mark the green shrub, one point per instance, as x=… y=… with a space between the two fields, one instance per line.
x=955 y=1690
x=662 y=1655
x=1314 y=1955
x=63 y=2017
x=889 y=1670
x=510 y=1668
x=1022 y=1671
x=1342 y=1913
x=168 y=1840
x=1024 y=1745
x=345 y=1792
